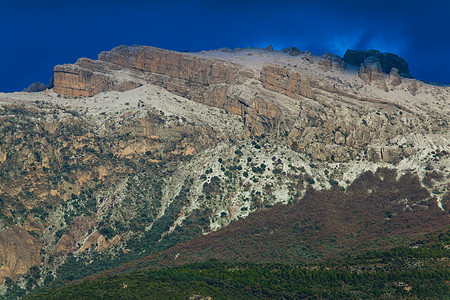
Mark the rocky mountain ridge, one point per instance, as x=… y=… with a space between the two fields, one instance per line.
x=145 y=148
x=249 y=84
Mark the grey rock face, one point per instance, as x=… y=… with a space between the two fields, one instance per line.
x=332 y=62
x=293 y=51
x=387 y=61
x=371 y=70
x=394 y=78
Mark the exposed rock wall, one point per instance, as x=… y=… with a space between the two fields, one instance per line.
x=202 y=80
x=371 y=71
x=328 y=128
x=18 y=252
x=177 y=72
x=387 y=61
x=170 y=63
x=81 y=79
x=253 y=93
x=286 y=82
x=332 y=62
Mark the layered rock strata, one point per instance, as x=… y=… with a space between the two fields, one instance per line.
x=284 y=93
x=207 y=81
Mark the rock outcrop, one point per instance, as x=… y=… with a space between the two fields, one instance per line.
x=224 y=83
x=206 y=81
x=394 y=78
x=87 y=78
x=19 y=251
x=332 y=62
x=387 y=61
x=293 y=51
x=371 y=70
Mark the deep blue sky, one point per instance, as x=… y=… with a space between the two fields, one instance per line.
x=36 y=35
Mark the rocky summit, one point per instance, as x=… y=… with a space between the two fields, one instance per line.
x=148 y=151
x=317 y=103
x=386 y=61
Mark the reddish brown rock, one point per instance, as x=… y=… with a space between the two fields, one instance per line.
x=65 y=245
x=171 y=63
x=102 y=243
x=78 y=81
x=19 y=251
x=286 y=82
x=90 y=240
x=203 y=80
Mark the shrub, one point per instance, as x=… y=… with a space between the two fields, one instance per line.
x=310 y=180
x=333 y=182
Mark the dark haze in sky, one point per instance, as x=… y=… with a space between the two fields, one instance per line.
x=36 y=35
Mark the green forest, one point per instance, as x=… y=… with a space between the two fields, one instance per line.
x=402 y=272
x=255 y=281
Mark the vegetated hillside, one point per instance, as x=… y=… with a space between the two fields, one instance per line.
x=384 y=236
x=77 y=185
x=377 y=211
x=145 y=149
x=417 y=271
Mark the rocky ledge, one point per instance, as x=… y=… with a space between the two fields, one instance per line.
x=322 y=106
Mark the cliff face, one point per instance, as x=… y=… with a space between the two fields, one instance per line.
x=18 y=252
x=208 y=81
x=251 y=90
x=386 y=61
x=87 y=78
x=170 y=63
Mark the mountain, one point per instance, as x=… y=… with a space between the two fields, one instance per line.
x=239 y=155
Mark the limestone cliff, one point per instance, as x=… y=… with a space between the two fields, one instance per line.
x=386 y=61
x=251 y=89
